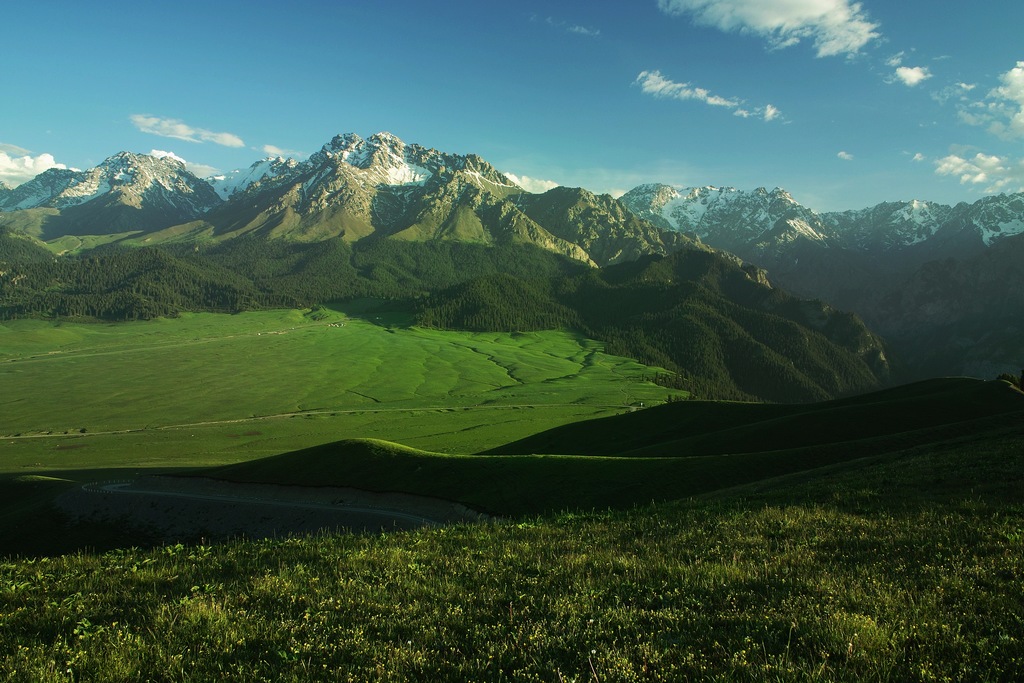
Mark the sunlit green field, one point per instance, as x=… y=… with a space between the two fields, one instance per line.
x=205 y=389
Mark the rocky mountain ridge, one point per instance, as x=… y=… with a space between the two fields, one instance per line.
x=884 y=262
x=133 y=179
x=352 y=188
x=761 y=222
x=940 y=282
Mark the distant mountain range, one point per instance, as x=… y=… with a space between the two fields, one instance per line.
x=763 y=223
x=352 y=188
x=945 y=284
x=942 y=282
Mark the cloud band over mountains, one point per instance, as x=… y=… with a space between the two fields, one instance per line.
x=654 y=84
x=179 y=130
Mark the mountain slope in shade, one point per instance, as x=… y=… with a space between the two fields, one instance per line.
x=726 y=331
x=913 y=414
x=942 y=282
x=960 y=316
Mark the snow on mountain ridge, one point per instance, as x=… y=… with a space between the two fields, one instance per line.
x=135 y=179
x=228 y=184
x=734 y=220
x=389 y=160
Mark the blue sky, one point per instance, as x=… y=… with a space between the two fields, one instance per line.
x=844 y=104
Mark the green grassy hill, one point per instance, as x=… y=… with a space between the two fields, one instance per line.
x=877 y=537
x=727 y=333
x=663 y=453
x=923 y=412
x=906 y=568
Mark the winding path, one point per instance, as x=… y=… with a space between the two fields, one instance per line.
x=132 y=487
x=186 y=507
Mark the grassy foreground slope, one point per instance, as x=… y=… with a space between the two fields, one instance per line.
x=907 y=569
x=662 y=453
x=89 y=402
x=923 y=412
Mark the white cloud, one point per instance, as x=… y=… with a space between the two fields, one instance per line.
x=836 y=27
x=275 y=151
x=531 y=184
x=996 y=174
x=14 y=170
x=896 y=59
x=912 y=75
x=1011 y=95
x=845 y=156
x=201 y=170
x=585 y=31
x=161 y=154
x=179 y=130
x=653 y=83
x=1002 y=110
x=656 y=85
x=918 y=157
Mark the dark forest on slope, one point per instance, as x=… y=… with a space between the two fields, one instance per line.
x=720 y=328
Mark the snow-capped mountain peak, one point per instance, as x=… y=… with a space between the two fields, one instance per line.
x=228 y=184
x=160 y=185
x=386 y=158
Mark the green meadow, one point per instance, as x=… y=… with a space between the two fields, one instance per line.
x=905 y=568
x=205 y=388
x=877 y=537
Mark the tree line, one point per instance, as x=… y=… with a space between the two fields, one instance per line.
x=694 y=313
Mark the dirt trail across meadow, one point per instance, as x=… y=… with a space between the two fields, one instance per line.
x=188 y=508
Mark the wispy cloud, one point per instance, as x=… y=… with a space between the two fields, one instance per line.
x=584 y=31
x=275 y=151
x=896 y=59
x=845 y=156
x=957 y=91
x=992 y=173
x=179 y=130
x=13 y=149
x=654 y=84
x=15 y=170
x=918 y=157
x=562 y=25
x=836 y=27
